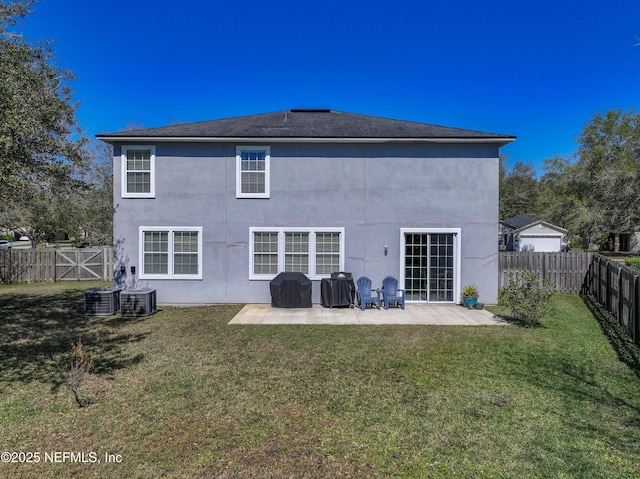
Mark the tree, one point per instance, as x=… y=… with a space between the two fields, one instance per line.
x=41 y=143
x=40 y=211
x=595 y=191
x=93 y=206
x=607 y=173
x=562 y=199
x=82 y=207
x=518 y=190
x=598 y=190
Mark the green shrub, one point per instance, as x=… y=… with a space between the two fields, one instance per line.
x=527 y=297
x=633 y=263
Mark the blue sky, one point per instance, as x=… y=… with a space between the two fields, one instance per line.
x=536 y=69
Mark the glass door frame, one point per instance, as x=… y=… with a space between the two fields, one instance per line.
x=457 y=256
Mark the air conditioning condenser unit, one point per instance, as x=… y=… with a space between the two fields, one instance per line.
x=137 y=302
x=101 y=301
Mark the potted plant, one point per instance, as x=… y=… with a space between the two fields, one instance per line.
x=469 y=296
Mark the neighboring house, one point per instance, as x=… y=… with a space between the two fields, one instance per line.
x=624 y=242
x=524 y=233
x=210 y=212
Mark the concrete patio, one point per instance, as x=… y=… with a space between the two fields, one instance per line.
x=413 y=314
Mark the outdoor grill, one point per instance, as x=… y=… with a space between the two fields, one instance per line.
x=338 y=290
x=290 y=290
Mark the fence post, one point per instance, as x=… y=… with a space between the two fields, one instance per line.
x=603 y=286
x=105 y=276
x=636 y=309
x=593 y=288
x=620 y=307
x=632 y=302
x=607 y=287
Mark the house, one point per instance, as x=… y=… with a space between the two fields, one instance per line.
x=210 y=212
x=524 y=233
x=628 y=242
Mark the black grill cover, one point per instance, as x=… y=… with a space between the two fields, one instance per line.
x=339 y=290
x=290 y=290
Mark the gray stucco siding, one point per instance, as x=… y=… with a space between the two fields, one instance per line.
x=372 y=191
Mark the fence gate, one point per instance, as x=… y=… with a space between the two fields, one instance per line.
x=81 y=264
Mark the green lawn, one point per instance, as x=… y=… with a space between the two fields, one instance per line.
x=183 y=394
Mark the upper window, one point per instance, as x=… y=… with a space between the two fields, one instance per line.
x=171 y=252
x=316 y=252
x=252 y=171
x=138 y=171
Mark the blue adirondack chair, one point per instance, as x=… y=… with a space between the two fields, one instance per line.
x=364 y=293
x=391 y=293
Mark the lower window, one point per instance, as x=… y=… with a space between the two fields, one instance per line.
x=316 y=252
x=170 y=252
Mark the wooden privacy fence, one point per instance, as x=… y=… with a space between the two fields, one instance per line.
x=617 y=288
x=614 y=286
x=38 y=265
x=566 y=271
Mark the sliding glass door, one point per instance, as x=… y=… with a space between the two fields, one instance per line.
x=431 y=265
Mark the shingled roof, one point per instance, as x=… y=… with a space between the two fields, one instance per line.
x=519 y=221
x=307 y=124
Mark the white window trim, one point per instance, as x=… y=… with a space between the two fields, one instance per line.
x=267 y=172
x=457 y=232
x=281 y=248
x=170 y=274
x=123 y=169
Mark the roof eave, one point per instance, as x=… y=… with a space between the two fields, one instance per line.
x=207 y=139
x=543 y=223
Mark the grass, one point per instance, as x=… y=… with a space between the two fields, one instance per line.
x=182 y=394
